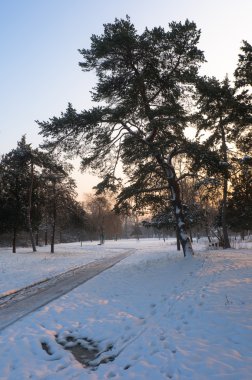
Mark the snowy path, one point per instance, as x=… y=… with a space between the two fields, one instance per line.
x=24 y=301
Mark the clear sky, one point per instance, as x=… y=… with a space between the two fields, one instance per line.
x=39 y=39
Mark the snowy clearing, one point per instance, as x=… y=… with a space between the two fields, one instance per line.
x=155 y=315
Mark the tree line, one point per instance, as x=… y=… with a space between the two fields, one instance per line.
x=37 y=195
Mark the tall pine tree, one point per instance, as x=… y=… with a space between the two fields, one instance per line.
x=143 y=81
x=225 y=114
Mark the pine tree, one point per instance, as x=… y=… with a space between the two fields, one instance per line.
x=12 y=200
x=225 y=113
x=15 y=194
x=239 y=207
x=243 y=72
x=59 y=196
x=243 y=82
x=143 y=81
x=24 y=190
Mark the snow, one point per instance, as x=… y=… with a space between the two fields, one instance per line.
x=26 y=267
x=156 y=314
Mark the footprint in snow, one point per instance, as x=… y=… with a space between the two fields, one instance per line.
x=141 y=321
x=166 y=346
x=135 y=357
x=111 y=374
x=190 y=311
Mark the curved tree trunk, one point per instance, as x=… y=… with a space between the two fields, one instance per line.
x=178 y=210
x=180 y=221
x=176 y=201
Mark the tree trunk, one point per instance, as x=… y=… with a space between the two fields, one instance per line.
x=37 y=238
x=53 y=237
x=101 y=236
x=183 y=236
x=226 y=242
x=176 y=201
x=190 y=233
x=178 y=212
x=178 y=241
x=207 y=230
x=14 y=240
x=29 y=211
x=54 y=217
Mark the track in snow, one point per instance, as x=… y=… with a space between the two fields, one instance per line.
x=17 y=305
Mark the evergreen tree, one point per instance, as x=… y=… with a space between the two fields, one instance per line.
x=25 y=189
x=225 y=113
x=243 y=72
x=12 y=198
x=17 y=180
x=243 y=82
x=59 y=197
x=142 y=83
x=239 y=207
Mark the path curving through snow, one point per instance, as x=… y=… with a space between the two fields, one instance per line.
x=26 y=300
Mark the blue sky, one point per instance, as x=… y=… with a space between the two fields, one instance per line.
x=39 y=40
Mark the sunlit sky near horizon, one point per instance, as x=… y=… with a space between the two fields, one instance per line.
x=39 y=39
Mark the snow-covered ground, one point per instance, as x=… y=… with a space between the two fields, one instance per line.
x=26 y=267
x=155 y=315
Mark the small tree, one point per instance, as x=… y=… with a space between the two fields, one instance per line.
x=102 y=220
